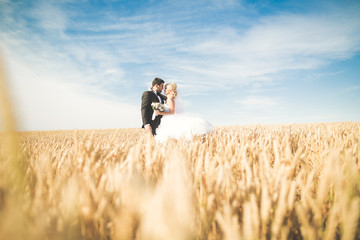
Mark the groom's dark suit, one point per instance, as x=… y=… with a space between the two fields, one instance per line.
x=147 y=98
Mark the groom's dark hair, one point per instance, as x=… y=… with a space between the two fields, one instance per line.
x=157 y=81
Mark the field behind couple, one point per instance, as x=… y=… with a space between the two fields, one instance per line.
x=297 y=181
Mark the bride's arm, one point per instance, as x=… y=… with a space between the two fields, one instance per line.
x=171 y=104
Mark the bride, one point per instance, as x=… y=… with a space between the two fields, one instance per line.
x=175 y=123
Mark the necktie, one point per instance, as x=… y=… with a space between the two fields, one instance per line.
x=161 y=101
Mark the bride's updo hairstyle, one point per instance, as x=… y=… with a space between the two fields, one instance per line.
x=172 y=86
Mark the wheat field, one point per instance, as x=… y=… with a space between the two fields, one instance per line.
x=298 y=181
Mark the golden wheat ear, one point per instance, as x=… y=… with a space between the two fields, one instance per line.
x=11 y=162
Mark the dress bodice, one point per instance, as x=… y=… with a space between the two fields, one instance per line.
x=166 y=108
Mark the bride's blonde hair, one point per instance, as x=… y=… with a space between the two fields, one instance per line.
x=173 y=87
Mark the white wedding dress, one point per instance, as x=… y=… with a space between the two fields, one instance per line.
x=180 y=125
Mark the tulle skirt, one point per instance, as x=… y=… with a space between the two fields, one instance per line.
x=179 y=126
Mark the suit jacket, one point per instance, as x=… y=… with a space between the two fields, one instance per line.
x=147 y=98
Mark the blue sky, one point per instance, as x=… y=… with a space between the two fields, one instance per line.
x=78 y=64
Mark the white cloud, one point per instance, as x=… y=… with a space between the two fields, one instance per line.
x=347 y=90
x=210 y=55
x=299 y=36
x=225 y=3
x=49 y=16
x=90 y=60
x=58 y=106
x=275 y=44
x=43 y=101
x=206 y=54
x=258 y=102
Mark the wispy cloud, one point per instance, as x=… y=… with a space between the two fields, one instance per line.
x=47 y=102
x=215 y=54
x=113 y=55
x=49 y=16
x=259 y=102
x=278 y=43
x=347 y=90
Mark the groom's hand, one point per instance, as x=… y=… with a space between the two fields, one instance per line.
x=148 y=128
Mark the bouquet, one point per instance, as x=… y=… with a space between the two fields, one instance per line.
x=157 y=106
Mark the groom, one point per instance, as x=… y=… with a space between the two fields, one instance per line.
x=148 y=97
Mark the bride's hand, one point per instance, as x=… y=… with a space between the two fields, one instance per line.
x=158 y=112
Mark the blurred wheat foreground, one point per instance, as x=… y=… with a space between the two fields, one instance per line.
x=296 y=181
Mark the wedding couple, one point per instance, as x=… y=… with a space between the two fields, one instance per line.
x=172 y=122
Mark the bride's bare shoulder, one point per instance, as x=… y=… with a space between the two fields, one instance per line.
x=171 y=99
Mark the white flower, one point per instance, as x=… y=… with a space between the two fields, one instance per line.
x=157 y=106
